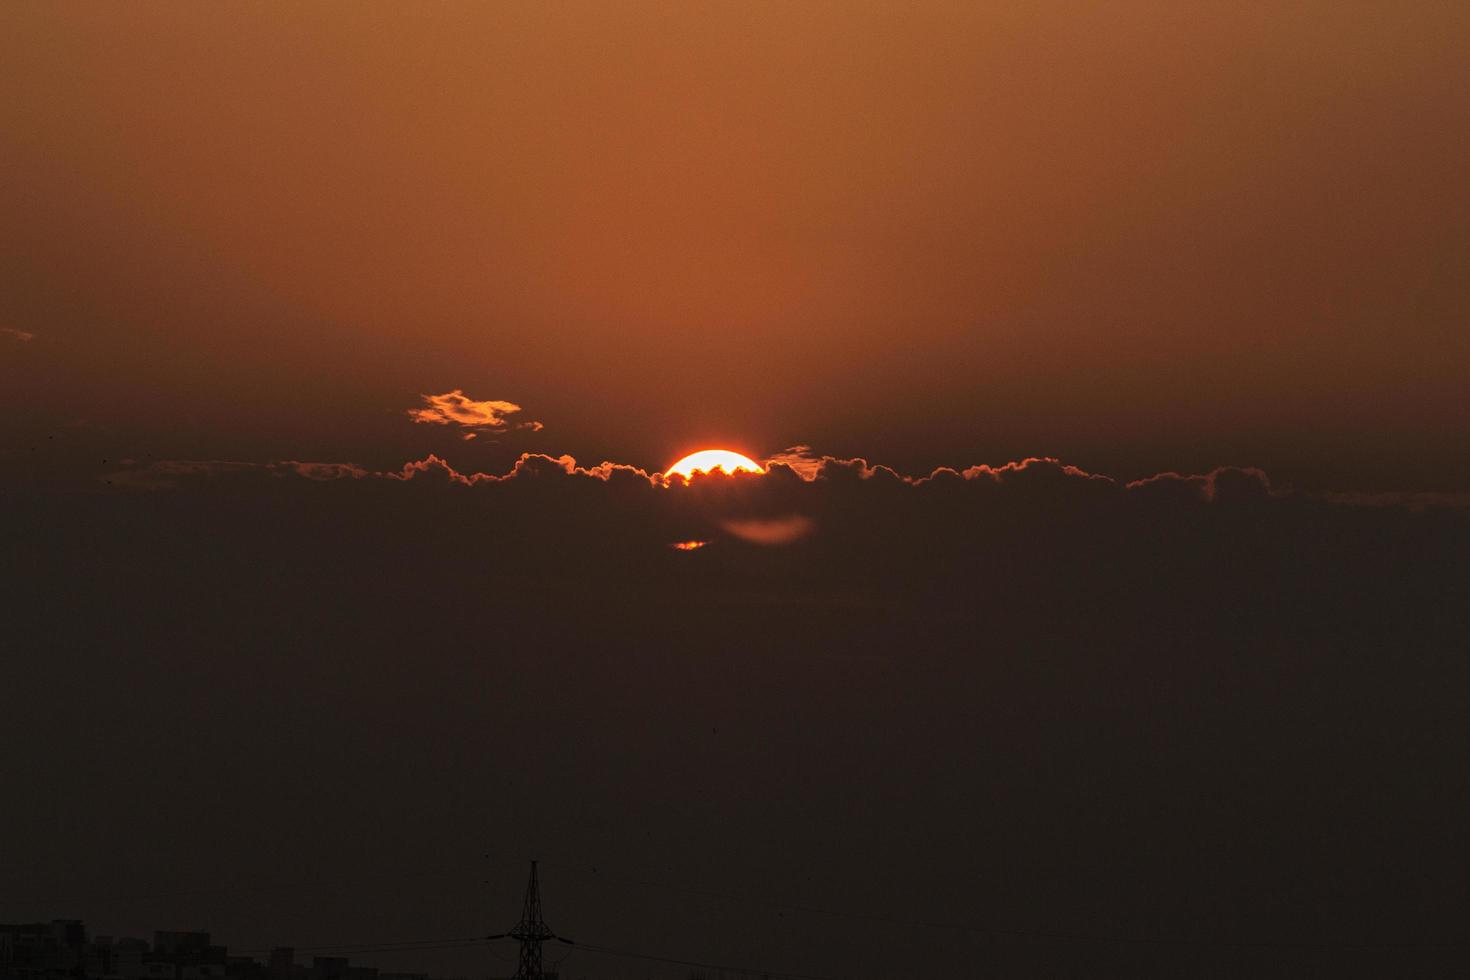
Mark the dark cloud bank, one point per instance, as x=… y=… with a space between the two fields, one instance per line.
x=1201 y=726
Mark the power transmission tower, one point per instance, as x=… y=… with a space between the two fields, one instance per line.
x=531 y=931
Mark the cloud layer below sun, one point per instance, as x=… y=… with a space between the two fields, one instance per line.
x=801 y=496
x=1027 y=538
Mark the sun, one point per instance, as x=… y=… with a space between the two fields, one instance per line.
x=707 y=460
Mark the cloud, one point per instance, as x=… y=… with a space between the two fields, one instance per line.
x=1415 y=500
x=1032 y=471
x=856 y=521
x=19 y=336
x=322 y=471
x=167 y=474
x=1224 y=483
x=794 y=476
x=797 y=474
x=529 y=467
x=457 y=408
x=799 y=459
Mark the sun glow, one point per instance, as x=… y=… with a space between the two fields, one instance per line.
x=708 y=460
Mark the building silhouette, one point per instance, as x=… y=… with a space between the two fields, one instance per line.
x=61 y=950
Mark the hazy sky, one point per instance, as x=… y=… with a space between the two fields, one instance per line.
x=1138 y=235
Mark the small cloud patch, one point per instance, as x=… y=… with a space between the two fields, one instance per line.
x=457 y=408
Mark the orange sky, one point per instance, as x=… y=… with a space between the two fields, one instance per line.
x=1138 y=235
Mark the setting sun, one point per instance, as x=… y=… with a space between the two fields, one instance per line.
x=707 y=460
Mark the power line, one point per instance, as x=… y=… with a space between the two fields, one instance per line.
x=1031 y=934
x=417 y=945
x=247 y=887
x=384 y=947
x=742 y=970
x=376 y=950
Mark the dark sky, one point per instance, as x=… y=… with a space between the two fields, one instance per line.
x=307 y=311
x=1200 y=724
